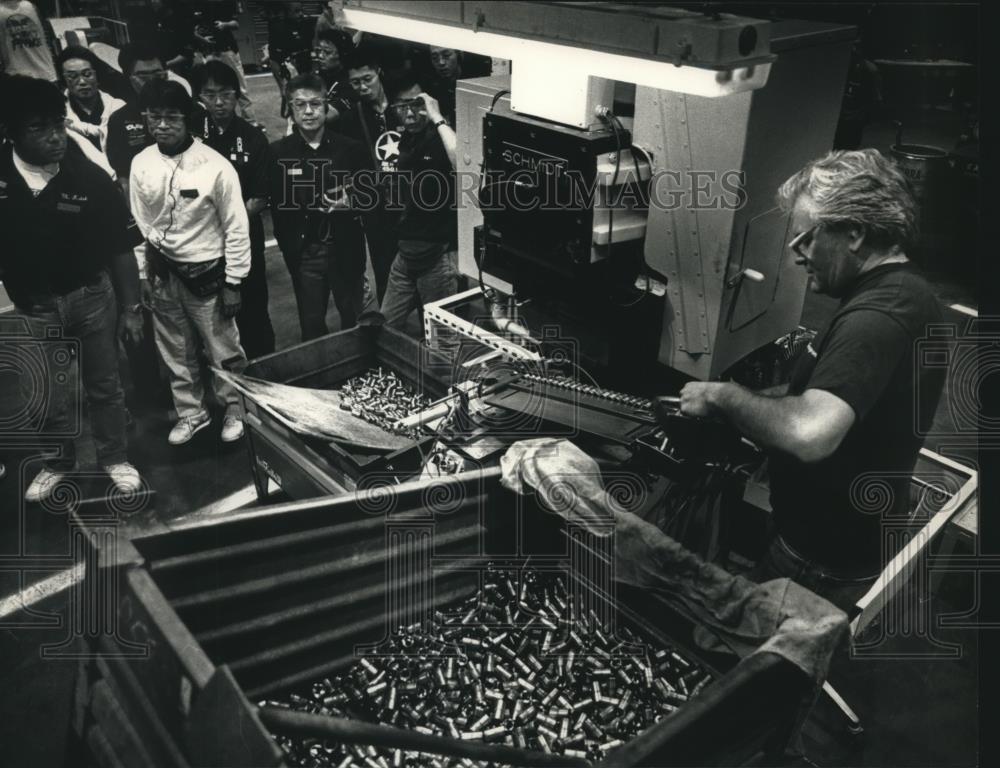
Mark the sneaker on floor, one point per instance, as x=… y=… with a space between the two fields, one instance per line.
x=232 y=428
x=124 y=476
x=42 y=486
x=187 y=428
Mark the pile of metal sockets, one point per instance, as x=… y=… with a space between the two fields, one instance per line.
x=382 y=398
x=506 y=667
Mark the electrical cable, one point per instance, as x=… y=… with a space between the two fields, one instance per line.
x=496 y=97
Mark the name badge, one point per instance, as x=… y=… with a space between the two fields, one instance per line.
x=68 y=207
x=294 y=171
x=190 y=194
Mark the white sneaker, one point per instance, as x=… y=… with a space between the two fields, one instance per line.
x=42 y=486
x=187 y=428
x=125 y=477
x=232 y=428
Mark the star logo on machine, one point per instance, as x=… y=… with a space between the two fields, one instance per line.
x=387 y=147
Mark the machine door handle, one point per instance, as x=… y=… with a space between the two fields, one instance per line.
x=746 y=274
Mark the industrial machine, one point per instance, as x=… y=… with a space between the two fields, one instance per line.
x=620 y=235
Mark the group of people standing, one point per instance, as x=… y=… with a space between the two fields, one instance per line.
x=151 y=207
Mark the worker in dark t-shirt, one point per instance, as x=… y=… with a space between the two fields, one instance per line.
x=841 y=437
x=425 y=267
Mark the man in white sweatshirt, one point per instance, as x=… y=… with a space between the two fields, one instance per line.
x=187 y=202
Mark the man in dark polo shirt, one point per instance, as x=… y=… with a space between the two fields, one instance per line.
x=319 y=235
x=66 y=257
x=425 y=268
x=127 y=134
x=218 y=87
x=842 y=434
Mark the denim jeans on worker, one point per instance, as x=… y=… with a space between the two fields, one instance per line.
x=781 y=560
x=183 y=324
x=411 y=287
x=318 y=271
x=89 y=317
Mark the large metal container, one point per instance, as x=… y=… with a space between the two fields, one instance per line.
x=256 y=606
x=930 y=175
x=303 y=467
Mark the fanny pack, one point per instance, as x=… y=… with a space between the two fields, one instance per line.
x=203 y=278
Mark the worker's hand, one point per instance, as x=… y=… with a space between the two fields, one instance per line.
x=231 y=300
x=432 y=107
x=146 y=293
x=698 y=398
x=132 y=327
x=336 y=199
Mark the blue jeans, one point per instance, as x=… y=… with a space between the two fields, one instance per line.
x=88 y=316
x=409 y=288
x=781 y=560
x=319 y=270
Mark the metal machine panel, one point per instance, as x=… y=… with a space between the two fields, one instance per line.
x=703 y=236
x=473 y=98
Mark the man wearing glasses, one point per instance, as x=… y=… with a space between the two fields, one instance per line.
x=186 y=200
x=425 y=267
x=65 y=259
x=845 y=422
x=311 y=173
x=370 y=122
x=329 y=50
x=245 y=146
x=90 y=108
x=127 y=134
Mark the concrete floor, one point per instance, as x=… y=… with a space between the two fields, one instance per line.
x=918 y=711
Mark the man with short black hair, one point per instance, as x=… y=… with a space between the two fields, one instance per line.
x=186 y=200
x=127 y=135
x=65 y=229
x=425 y=267
x=215 y=27
x=218 y=87
x=330 y=49
x=371 y=122
x=90 y=108
x=321 y=239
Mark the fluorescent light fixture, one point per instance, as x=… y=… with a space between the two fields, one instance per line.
x=564 y=60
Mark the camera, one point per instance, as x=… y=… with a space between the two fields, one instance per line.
x=38 y=376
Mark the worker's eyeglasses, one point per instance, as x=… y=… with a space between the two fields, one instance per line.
x=803 y=240
x=322 y=53
x=154 y=74
x=314 y=104
x=86 y=74
x=170 y=118
x=357 y=82
x=408 y=105
x=44 y=130
x=210 y=97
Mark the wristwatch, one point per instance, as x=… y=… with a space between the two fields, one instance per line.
x=439 y=123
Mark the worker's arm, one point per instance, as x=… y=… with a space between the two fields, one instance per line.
x=810 y=426
x=444 y=130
